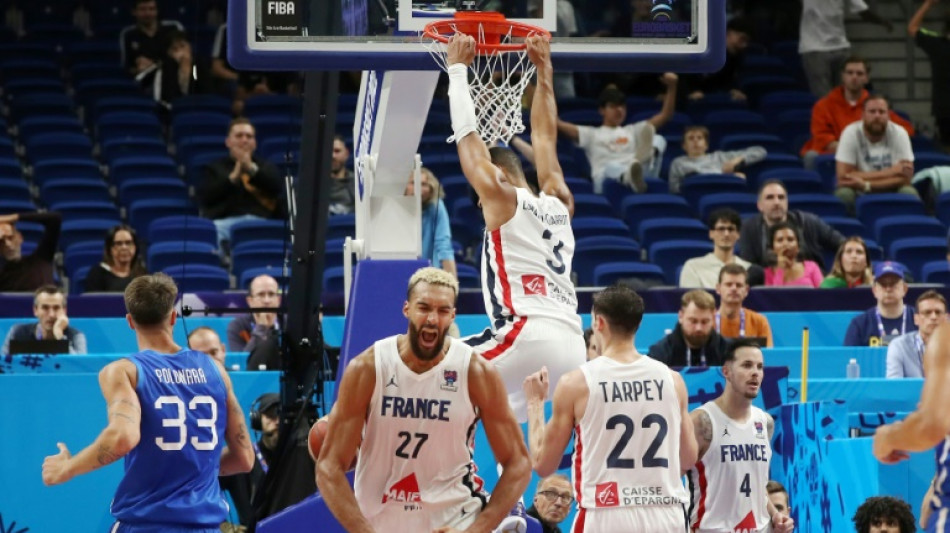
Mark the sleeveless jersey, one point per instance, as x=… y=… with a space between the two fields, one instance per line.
x=171 y=476
x=941 y=497
x=416 y=455
x=526 y=266
x=728 y=482
x=626 y=447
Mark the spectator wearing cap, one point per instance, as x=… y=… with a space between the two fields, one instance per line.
x=890 y=317
x=905 y=354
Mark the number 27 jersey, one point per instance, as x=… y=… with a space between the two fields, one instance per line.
x=626 y=449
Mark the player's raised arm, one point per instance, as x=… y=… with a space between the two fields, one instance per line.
x=343 y=436
x=488 y=394
x=120 y=436
x=544 y=124
x=238 y=457
x=474 y=157
x=689 y=449
x=548 y=442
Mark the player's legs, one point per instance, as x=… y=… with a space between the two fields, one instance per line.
x=626 y=519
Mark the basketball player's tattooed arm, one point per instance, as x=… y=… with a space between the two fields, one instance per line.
x=488 y=395
x=688 y=446
x=117 y=381
x=342 y=440
x=544 y=124
x=702 y=426
x=238 y=457
x=929 y=424
x=497 y=197
x=549 y=441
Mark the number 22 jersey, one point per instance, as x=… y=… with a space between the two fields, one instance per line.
x=171 y=476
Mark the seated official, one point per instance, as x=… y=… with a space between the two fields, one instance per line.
x=49 y=307
x=890 y=317
x=694 y=341
x=905 y=354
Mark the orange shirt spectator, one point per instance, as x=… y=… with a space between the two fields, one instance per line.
x=832 y=114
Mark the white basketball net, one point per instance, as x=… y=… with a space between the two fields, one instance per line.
x=497 y=85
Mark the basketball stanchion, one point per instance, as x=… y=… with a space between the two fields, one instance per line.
x=804 y=391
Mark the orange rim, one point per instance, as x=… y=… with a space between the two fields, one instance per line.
x=494 y=26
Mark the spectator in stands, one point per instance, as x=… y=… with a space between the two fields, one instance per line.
x=874 y=155
x=884 y=514
x=726 y=79
x=823 y=43
x=851 y=268
x=240 y=186
x=890 y=317
x=786 y=266
x=841 y=107
x=732 y=319
x=143 y=44
x=694 y=341
x=436 y=228
x=937 y=47
x=49 y=308
x=905 y=354
x=342 y=182
x=205 y=339
x=121 y=262
x=181 y=73
x=698 y=159
x=552 y=501
x=593 y=344
x=225 y=77
x=816 y=235
x=616 y=151
x=22 y=274
x=778 y=496
x=244 y=84
x=703 y=272
x=258 y=333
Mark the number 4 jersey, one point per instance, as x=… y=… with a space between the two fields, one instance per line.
x=728 y=482
x=626 y=449
x=171 y=476
x=415 y=470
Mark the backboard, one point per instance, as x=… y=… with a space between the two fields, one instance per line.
x=644 y=36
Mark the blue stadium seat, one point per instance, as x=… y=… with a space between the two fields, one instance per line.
x=82 y=254
x=648 y=274
x=129 y=167
x=10 y=168
x=465 y=234
x=469 y=276
x=584 y=117
x=772 y=162
x=640 y=207
x=670 y=254
x=599 y=226
x=875 y=251
x=162 y=255
x=870 y=207
x=890 y=228
x=826 y=167
x=333 y=253
x=125 y=124
x=771 y=143
x=30 y=127
x=201 y=123
x=592 y=251
x=333 y=280
x=942 y=210
x=15 y=189
x=713 y=102
x=74 y=231
x=271 y=127
x=927 y=160
x=29 y=68
x=695 y=187
x=54 y=167
x=207 y=103
x=255 y=254
x=143 y=212
x=79 y=210
x=34 y=105
x=88 y=92
x=796 y=180
x=667 y=228
x=259 y=230
x=616 y=192
x=579 y=185
x=21 y=86
x=15 y=206
x=136 y=189
x=775 y=103
x=849 y=227
x=192 y=145
x=138 y=103
x=455 y=187
x=823 y=205
x=723 y=123
x=7 y=148
x=182 y=227
x=936 y=272
x=794 y=126
x=340 y=226
x=464 y=211
x=914 y=252
x=591 y=205
x=197 y=277
x=62 y=190
x=82 y=72
x=283 y=280
x=77 y=282
x=76 y=145
x=755 y=87
x=124 y=147
x=272 y=105
x=743 y=202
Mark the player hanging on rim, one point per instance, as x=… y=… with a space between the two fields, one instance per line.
x=528 y=242
x=729 y=480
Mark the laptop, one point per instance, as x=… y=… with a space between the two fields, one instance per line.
x=39 y=346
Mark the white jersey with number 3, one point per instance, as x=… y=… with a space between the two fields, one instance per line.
x=728 y=482
x=626 y=448
x=415 y=470
x=526 y=264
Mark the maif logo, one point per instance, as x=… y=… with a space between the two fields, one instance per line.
x=405 y=490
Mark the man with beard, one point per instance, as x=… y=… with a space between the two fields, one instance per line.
x=408 y=406
x=874 y=155
x=816 y=235
x=728 y=482
x=342 y=182
x=732 y=319
x=694 y=341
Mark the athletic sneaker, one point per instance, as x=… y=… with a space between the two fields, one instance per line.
x=515 y=522
x=635 y=177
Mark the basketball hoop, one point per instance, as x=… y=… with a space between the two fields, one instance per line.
x=501 y=67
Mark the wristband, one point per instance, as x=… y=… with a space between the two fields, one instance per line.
x=461 y=105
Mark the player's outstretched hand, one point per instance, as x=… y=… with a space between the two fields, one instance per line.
x=460 y=49
x=54 y=466
x=782 y=523
x=539 y=50
x=536 y=385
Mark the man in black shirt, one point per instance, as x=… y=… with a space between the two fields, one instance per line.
x=937 y=48
x=694 y=341
x=552 y=502
x=145 y=43
x=26 y=274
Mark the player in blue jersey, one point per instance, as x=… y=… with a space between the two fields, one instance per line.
x=171 y=411
x=926 y=428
